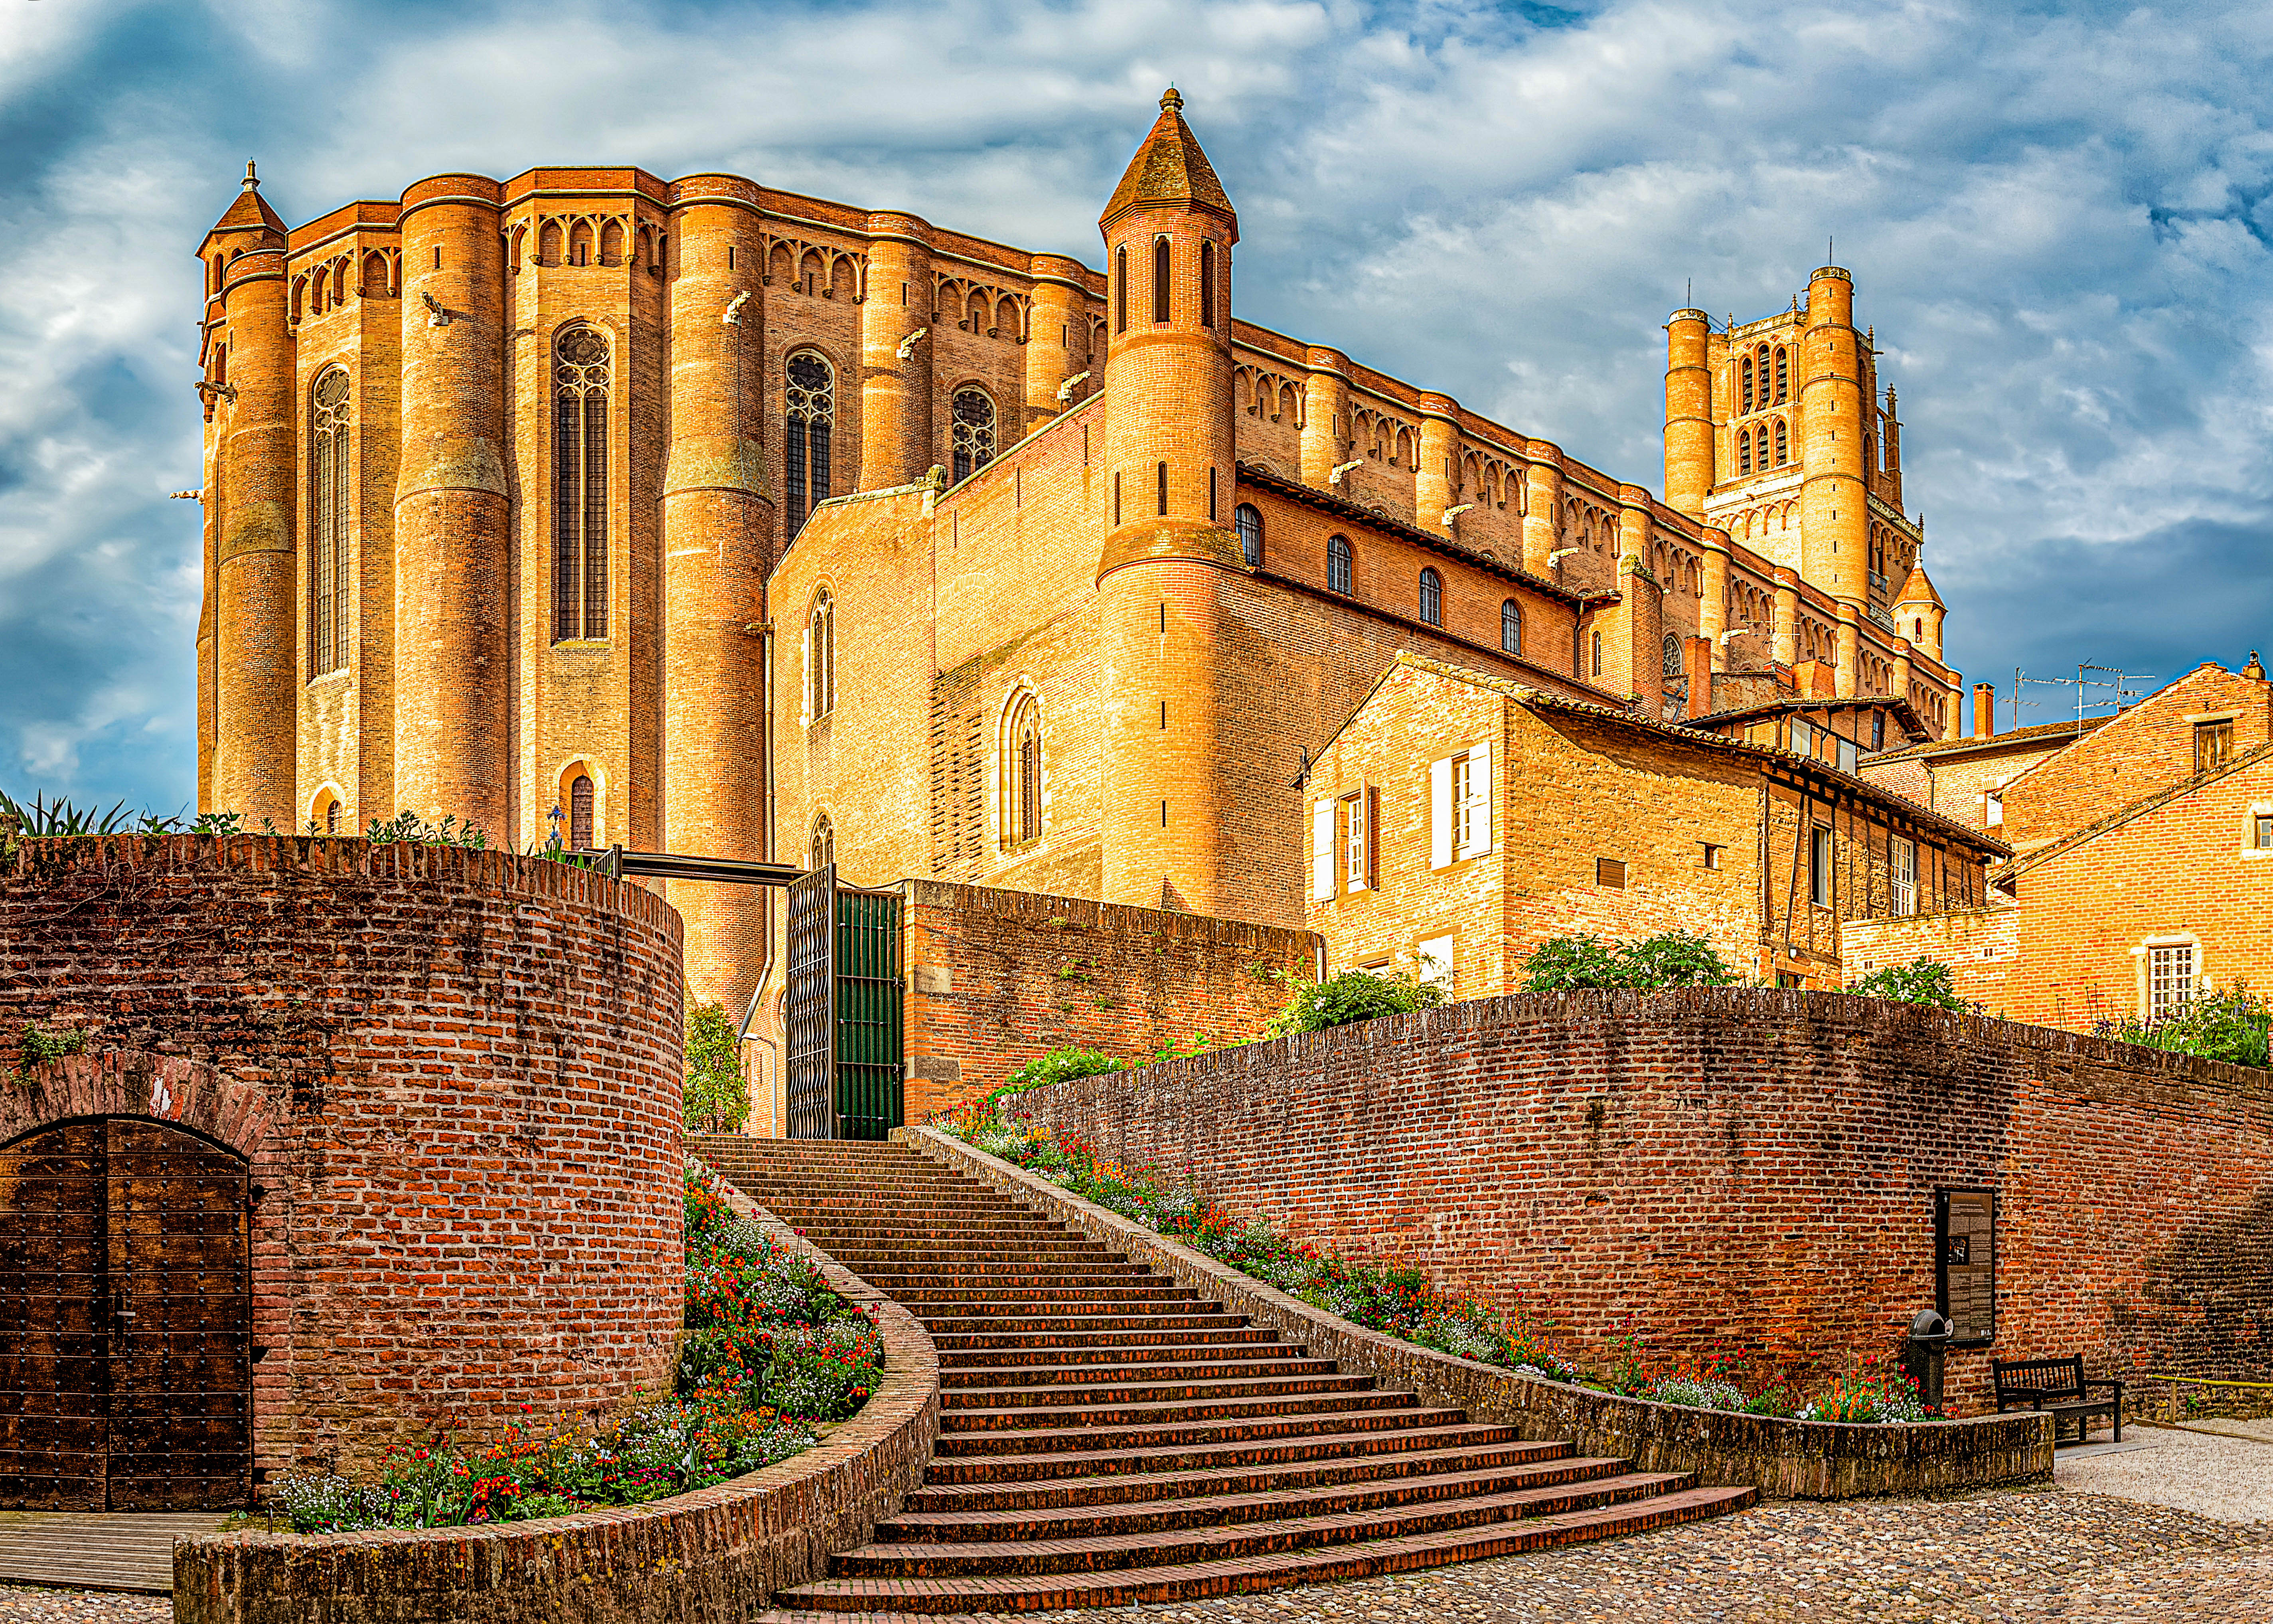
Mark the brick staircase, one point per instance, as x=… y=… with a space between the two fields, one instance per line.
x=1107 y=1439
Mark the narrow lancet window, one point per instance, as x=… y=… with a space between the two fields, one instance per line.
x=1159 y=279
x=327 y=522
x=810 y=408
x=579 y=485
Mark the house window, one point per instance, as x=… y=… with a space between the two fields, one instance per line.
x=1901 y=872
x=2260 y=832
x=1460 y=807
x=579 y=485
x=1432 y=598
x=1248 y=522
x=327 y=522
x=1878 y=730
x=1803 y=738
x=820 y=658
x=1337 y=564
x=1433 y=958
x=1358 y=838
x=1819 y=865
x=1598 y=654
x=1849 y=755
x=1510 y=627
x=2170 y=972
x=2213 y=745
x=810 y=406
x=974 y=431
x=1992 y=808
x=579 y=812
x=1610 y=872
x=1712 y=853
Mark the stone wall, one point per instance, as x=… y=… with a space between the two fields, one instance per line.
x=456 y=1076
x=996 y=978
x=1758 y=1167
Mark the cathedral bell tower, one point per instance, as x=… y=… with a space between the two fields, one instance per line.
x=1169 y=492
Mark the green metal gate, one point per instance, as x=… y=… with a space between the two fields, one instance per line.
x=842 y=1010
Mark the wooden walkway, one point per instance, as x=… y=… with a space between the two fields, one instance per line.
x=97 y=1549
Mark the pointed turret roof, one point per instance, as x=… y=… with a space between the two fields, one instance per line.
x=1169 y=168
x=1918 y=590
x=251 y=211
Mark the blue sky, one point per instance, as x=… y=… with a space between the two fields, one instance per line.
x=2058 y=218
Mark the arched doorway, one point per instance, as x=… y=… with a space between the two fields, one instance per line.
x=125 y=1319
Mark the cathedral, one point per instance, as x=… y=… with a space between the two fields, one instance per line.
x=697 y=515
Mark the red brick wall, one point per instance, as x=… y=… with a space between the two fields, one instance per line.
x=456 y=1075
x=1752 y=1165
x=996 y=978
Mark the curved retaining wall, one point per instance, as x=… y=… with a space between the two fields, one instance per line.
x=455 y=1074
x=716 y=1554
x=1783 y=1459
x=1754 y=1167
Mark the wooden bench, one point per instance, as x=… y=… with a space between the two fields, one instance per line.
x=2057 y=1387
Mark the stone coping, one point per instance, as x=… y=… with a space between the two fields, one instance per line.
x=1783 y=1459
x=715 y=1553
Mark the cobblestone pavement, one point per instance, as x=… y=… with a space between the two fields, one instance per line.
x=2043 y=1556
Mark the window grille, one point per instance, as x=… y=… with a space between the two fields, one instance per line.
x=809 y=398
x=1610 y=872
x=974 y=431
x=1511 y=627
x=2213 y=745
x=331 y=817
x=1248 y=522
x=579 y=485
x=1432 y=598
x=580 y=813
x=327 y=511
x=1337 y=564
x=2170 y=979
x=1030 y=785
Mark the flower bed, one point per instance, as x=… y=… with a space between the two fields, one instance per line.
x=1399 y=1301
x=771 y=1353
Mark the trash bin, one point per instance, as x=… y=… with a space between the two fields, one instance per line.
x=1930 y=1335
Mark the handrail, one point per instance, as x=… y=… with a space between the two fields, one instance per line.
x=617 y=862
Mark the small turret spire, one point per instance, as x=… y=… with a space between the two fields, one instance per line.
x=252 y=179
x=1170 y=168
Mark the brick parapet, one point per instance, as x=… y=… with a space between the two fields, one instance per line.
x=1784 y=1459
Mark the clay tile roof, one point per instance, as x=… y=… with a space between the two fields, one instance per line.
x=1918 y=590
x=251 y=211
x=1169 y=168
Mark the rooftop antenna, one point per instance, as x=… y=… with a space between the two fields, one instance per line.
x=1830 y=250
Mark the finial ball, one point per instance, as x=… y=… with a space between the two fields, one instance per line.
x=1171 y=99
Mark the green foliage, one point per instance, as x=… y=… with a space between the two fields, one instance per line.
x=1582 y=962
x=1922 y=980
x=717 y=1090
x=1057 y=1066
x=2235 y=1025
x=1353 y=995
x=36 y=1045
x=412 y=827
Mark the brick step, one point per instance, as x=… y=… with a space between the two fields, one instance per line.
x=1019 y=1302
x=1169 y=1411
x=1235 y=1478
x=1131 y=1587
x=1265 y=1360
x=1288 y=1446
x=909 y=1258
x=1175 y=1317
x=1243 y=1526
x=892 y=1282
x=1027 y=1432
x=908 y=1267
x=970 y=1315
x=1217 y=1343
x=1103 y=1392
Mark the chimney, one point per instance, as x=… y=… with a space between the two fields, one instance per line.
x=1984 y=711
x=1700 y=653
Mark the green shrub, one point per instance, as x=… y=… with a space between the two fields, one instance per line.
x=1587 y=963
x=1058 y=1066
x=2233 y=1026
x=1353 y=995
x=717 y=1098
x=1922 y=980
x=37 y=1045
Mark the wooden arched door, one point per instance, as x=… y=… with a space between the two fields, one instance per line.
x=125 y=1319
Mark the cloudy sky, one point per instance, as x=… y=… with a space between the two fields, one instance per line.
x=2058 y=218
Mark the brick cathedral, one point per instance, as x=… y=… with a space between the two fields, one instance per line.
x=702 y=516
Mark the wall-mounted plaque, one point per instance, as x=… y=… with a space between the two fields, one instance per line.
x=1965 y=1266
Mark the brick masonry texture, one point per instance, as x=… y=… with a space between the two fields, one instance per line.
x=456 y=1076
x=717 y=1553
x=1783 y=1459
x=996 y=978
x=1752 y=1166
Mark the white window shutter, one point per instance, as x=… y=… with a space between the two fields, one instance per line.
x=1322 y=851
x=1440 y=814
x=1480 y=778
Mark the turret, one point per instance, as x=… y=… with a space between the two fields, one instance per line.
x=252 y=658
x=1436 y=460
x=1057 y=331
x=1169 y=229
x=1325 y=415
x=1834 y=521
x=896 y=351
x=1917 y=613
x=1689 y=463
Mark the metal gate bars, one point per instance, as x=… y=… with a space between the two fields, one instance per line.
x=841 y=1006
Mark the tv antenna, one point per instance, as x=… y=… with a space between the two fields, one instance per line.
x=2117 y=689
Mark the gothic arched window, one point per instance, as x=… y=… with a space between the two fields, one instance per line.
x=820 y=657
x=580 y=813
x=579 y=485
x=824 y=841
x=1248 y=523
x=327 y=521
x=974 y=431
x=1337 y=564
x=1511 y=627
x=1432 y=597
x=1744 y=451
x=1121 y=289
x=1207 y=284
x=1745 y=373
x=1022 y=771
x=1783 y=444
x=1159 y=279
x=809 y=408
x=1672 y=652
x=1783 y=375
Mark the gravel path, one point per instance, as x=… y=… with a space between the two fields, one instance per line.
x=2229 y=1477
x=24 y=1606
